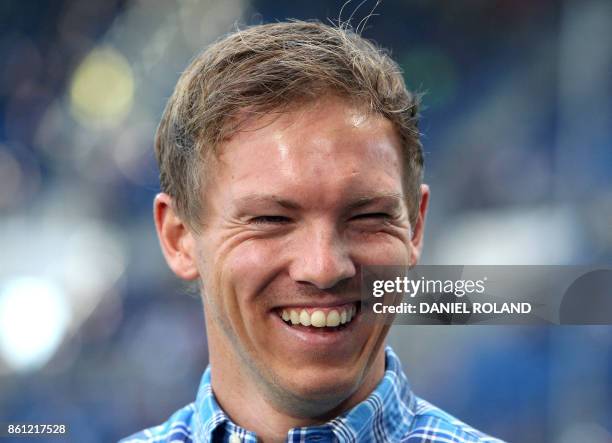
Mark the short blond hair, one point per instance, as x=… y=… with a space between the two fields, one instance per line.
x=268 y=68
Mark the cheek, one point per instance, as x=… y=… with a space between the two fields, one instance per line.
x=380 y=249
x=233 y=288
x=240 y=276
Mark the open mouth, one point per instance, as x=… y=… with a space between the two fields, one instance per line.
x=324 y=319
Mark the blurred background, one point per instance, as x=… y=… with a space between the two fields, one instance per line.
x=95 y=332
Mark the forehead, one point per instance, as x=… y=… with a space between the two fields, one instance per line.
x=328 y=146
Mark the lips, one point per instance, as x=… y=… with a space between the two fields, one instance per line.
x=335 y=343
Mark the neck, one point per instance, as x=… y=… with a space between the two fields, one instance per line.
x=246 y=403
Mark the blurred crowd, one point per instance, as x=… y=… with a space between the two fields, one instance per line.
x=96 y=333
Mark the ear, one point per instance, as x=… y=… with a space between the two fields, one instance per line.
x=419 y=227
x=176 y=240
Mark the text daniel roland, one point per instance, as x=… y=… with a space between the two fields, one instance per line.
x=453 y=308
x=458 y=288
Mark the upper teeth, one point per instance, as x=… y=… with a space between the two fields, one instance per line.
x=318 y=318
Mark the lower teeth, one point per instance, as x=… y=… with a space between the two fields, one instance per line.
x=324 y=328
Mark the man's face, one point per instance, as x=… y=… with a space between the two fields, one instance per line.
x=295 y=206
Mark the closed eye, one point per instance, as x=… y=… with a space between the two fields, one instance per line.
x=270 y=219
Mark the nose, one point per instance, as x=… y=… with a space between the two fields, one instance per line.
x=322 y=259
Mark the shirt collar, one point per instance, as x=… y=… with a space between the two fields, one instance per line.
x=392 y=396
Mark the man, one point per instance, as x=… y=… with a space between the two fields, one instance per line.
x=289 y=159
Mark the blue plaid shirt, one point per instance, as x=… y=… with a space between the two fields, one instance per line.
x=392 y=413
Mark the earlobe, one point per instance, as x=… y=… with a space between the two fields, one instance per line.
x=176 y=240
x=419 y=227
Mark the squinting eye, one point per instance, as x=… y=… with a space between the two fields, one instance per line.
x=270 y=219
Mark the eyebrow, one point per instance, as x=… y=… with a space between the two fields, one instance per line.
x=355 y=203
x=267 y=199
x=384 y=197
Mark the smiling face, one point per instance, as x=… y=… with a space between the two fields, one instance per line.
x=295 y=206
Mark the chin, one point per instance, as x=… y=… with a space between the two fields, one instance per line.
x=318 y=391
